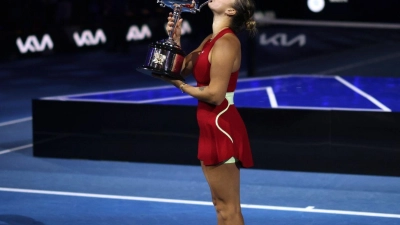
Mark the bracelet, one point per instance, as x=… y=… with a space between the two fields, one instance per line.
x=181 y=87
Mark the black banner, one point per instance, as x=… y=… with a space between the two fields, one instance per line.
x=309 y=49
x=33 y=28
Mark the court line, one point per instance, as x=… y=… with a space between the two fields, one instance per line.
x=270 y=93
x=11 y=122
x=380 y=105
x=320 y=76
x=362 y=93
x=126 y=102
x=164 y=99
x=16 y=149
x=329 y=109
x=31 y=145
x=189 y=202
x=65 y=97
x=158 y=99
x=188 y=96
x=111 y=91
x=272 y=98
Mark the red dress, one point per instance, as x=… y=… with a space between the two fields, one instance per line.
x=222 y=131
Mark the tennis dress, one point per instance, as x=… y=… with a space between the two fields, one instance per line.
x=222 y=132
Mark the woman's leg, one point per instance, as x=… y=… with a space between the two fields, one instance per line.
x=224 y=182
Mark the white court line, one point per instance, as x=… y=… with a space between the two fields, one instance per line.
x=329 y=108
x=11 y=122
x=285 y=76
x=384 y=108
x=362 y=93
x=159 y=99
x=15 y=149
x=188 y=96
x=272 y=98
x=65 y=97
x=30 y=145
x=94 y=100
x=189 y=202
x=127 y=102
x=112 y=91
x=164 y=99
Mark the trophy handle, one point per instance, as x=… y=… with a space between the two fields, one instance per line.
x=193 y=8
x=178 y=8
x=201 y=6
x=176 y=15
x=166 y=57
x=162 y=4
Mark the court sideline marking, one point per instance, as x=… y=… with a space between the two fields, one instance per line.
x=64 y=97
x=307 y=209
x=274 y=104
x=31 y=145
x=362 y=93
x=270 y=93
x=16 y=149
x=244 y=90
x=11 y=122
x=272 y=98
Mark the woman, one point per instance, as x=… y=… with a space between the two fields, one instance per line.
x=223 y=142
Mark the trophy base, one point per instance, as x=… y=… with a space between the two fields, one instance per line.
x=154 y=72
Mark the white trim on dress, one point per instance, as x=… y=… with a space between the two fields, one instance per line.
x=229 y=98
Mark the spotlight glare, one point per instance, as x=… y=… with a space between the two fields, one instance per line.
x=316 y=5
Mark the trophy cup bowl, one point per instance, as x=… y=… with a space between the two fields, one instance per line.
x=165 y=57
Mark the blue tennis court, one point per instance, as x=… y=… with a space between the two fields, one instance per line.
x=56 y=191
x=68 y=191
x=286 y=91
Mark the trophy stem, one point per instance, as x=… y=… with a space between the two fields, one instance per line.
x=202 y=5
x=165 y=57
x=177 y=16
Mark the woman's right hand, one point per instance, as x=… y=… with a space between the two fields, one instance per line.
x=176 y=36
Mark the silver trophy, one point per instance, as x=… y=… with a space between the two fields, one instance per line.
x=165 y=57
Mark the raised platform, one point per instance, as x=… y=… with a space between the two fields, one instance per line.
x=353 y=133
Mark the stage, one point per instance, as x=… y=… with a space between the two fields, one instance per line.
x=318 y=123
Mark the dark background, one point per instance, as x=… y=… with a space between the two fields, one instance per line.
x=67 y=69
x=59 y=18
x=353 y=10
x=40 y=15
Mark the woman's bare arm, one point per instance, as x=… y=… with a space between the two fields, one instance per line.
x=225 y=59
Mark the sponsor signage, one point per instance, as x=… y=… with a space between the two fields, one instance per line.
x=87 y=38
x=283 y=40
x=33 y=44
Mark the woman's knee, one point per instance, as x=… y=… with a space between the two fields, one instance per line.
x=226 y=210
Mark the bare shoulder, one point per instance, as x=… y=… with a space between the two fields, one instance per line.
x=226 y=54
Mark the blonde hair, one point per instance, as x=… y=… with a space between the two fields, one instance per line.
x=243 y=19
